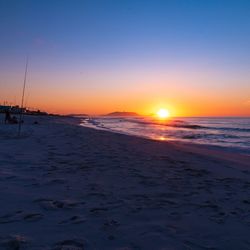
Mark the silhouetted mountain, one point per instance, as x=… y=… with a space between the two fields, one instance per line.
x=122 y=114
x=77 y=115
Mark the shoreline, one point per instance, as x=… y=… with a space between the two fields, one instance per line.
x=220 y=152
x=64 y=186
x=190 y=137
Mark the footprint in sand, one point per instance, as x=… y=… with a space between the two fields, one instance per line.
x=20 y=215
x=11 y=217
x=69 y=245
x=49 y=204
x=73 y=220
x=197 y=172
x=110 y=224
x=13 y=242
x=33 y=217
x=98 y=210
x=193 y=244
x=56 y=181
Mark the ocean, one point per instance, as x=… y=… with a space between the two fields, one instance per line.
x=231 y=133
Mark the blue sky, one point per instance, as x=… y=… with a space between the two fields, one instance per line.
x=126 y=27
x=74 y=38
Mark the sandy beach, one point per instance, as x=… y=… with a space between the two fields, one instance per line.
x=63 y=186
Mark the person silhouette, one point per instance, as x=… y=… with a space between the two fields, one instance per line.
x=7 y=116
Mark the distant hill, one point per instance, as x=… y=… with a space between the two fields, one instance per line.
x=122 y=114
x=77 y=115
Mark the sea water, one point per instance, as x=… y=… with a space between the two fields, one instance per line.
x=230 y=132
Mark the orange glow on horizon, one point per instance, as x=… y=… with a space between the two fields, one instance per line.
x=94 y=106
x=143 y=97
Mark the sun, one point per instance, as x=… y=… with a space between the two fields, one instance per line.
x=163 y=113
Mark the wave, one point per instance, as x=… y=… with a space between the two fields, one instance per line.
x=184 y=124
x=210 y=136
x=229 y=133
x=172 y=123
x=231 y=129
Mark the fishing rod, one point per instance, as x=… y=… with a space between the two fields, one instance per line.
x=23 y=94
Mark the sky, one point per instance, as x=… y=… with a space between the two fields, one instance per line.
x=191 y=57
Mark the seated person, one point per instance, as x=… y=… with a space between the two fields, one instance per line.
x=9 y=119
x=7 y=116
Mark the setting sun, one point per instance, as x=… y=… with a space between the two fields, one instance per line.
x=163 y=113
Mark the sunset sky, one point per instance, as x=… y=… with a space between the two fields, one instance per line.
x=87 y=56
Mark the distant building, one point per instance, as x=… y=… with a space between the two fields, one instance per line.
x=17 y=110
x=4 y=108
x=12 y=109
x=36 y=112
